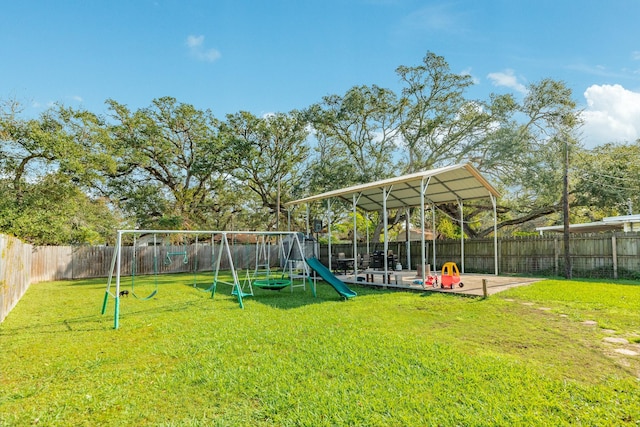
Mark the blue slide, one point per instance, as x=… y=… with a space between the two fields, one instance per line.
x=329 y=277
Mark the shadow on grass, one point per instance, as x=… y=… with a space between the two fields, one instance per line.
x=98 y=322
x=167 y=278
x=75 y=324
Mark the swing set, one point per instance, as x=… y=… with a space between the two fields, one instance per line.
x=290 y=256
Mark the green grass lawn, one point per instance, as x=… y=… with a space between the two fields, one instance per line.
x=521 y=357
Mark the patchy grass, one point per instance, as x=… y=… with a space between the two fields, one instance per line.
x=382 y=358
x=613 y=305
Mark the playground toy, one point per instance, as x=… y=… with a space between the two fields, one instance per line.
x=432 y=280
x=168 y=259
x=262 y=277
x=273 y=284
x=134 y=262
x=450 y=276
x=326 y=274
x=291 y=260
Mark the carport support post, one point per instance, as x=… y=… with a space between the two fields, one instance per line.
x=423 y=255
x=495 y=233
x=355 y=237
x=433 y=234
x=407 y=226
x=461 y=236
x=385 y=194
x=308 y=220
x=366 y=216
x=329 y=228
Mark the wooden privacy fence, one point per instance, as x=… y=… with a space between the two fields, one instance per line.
x=83 y=262
x=611 y=255
x=598 y=255
x=15 y=269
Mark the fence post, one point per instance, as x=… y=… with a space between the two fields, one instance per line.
x=614 y=255
x=500 y=266
x=555 y=256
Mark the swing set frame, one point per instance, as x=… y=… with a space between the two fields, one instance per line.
x=224 y=251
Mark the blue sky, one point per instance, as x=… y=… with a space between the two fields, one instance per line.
x=277 y=55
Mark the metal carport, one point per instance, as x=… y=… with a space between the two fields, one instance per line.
x=450 y=184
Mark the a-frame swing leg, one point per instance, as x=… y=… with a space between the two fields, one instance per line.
x=218 y=258
x=107 y=292
x=224 y=247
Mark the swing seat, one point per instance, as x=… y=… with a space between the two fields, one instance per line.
x=195 y=285
x=272 y=284
x=242 y=294
x=153 y=294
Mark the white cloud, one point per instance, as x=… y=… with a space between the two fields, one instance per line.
x=198 y=51
x=612 y=115
x=433 y=18
x=467 y=72
x=195 y=42
x=508 y=79
x=439 y=18
x=42 y=105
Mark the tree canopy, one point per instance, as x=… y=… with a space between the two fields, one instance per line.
x=73 y=176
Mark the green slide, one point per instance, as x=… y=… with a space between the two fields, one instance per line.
x=328 y=276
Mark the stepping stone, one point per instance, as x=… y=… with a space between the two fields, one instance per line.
x=589 y=323
x=564 y=315
x=544 y=308
x=615 y=340
x=528 y=303
x=608 y=331
x=626 y=352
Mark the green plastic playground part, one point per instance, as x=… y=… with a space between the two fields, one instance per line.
x=272 y=284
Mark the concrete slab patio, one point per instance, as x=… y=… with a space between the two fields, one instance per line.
x=406 y=280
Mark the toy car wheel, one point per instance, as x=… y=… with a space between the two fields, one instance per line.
x=461 y=284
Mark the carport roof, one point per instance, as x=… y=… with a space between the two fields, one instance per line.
x=445 y=185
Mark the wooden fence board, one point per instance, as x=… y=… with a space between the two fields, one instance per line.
x=591 y=256
x=15 y=272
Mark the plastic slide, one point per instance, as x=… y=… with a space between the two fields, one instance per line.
x=329 y=277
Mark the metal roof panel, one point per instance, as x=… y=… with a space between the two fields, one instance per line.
x=443 y=185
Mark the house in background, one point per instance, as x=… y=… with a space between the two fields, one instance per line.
x=415 y=234
x=626 y=223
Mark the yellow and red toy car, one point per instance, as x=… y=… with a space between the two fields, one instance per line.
x=450 y=276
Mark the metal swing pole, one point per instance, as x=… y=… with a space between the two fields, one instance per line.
x=155 y=260
x=111 y=268
x=195 y=265
x=218 y=259
x=116 y=313
x=234 y=273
